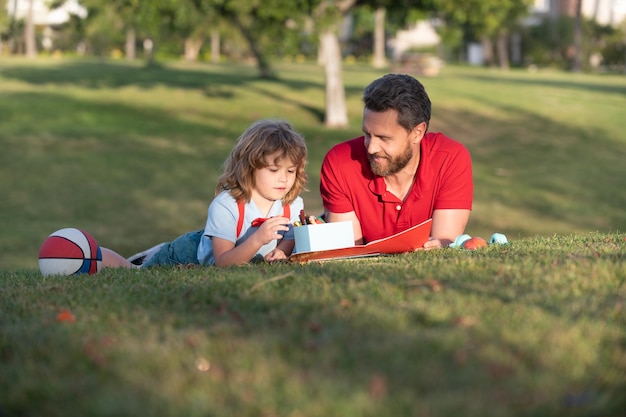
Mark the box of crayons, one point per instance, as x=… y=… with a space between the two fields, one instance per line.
x=313 y=234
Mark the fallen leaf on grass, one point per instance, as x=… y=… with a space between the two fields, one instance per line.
x=465 y=321
x=66 y=316
x=435 y=285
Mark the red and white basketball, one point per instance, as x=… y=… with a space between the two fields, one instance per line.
x=70 y=251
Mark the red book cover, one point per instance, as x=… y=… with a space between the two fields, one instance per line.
x=406 y=241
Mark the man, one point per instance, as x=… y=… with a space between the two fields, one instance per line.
x=397 y=175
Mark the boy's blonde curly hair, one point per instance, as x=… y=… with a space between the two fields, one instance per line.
x=262 y=139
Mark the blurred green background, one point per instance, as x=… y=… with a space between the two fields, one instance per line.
x=131 y=152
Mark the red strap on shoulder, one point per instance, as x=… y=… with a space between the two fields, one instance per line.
x=240 y=206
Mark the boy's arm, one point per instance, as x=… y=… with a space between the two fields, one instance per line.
x=226 y=253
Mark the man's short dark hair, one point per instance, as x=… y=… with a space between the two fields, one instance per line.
x=400 y=92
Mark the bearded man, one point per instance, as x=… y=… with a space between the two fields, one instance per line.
x=398 y=175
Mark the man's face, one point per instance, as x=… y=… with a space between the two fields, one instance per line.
x=388 y=144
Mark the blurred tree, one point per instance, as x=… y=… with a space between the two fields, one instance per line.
x=490 y=21
x=578 y=35
x=380 y=57
x=263 y=24
x=110 y=20
x=328 y=15
x=613 y=47
x=397 y=13
x=195 y=21
x=4 y=25
x=29 y=31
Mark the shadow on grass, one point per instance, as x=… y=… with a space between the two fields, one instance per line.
x=100 y=75
x=542 y=82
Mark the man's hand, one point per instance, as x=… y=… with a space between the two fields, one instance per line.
x=432 y=243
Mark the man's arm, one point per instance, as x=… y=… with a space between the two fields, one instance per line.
x=342 y=217
x=446 y=226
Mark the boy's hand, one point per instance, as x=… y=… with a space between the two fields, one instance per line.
x=275 y=255
x=270 y=229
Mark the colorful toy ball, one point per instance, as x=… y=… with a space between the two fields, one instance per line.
x=70 y=251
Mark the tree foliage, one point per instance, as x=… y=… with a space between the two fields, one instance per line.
x=490 y=20
x=483 y=17
x=4 y=17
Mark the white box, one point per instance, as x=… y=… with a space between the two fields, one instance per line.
x=316 y=237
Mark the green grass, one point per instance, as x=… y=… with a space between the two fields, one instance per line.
x=535 y=328
x=131 y=154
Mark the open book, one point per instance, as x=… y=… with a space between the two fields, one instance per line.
x=405 y=241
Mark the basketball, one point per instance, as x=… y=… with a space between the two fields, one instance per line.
x=70 y=251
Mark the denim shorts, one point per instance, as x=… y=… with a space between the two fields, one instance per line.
x=181 y=251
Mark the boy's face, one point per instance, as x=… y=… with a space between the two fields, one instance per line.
x=275 y=180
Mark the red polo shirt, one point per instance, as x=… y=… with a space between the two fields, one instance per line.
x=443 y=181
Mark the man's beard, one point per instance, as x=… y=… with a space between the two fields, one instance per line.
x=394 y=166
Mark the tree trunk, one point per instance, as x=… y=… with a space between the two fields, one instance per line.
x=578 y=35
x=487 y=51
x=336 y=112
x=321 y=54
x=503 y=51
x=29 y=32
x=215 y=46
x=624 y=64
x=554 y=29
x=192 y=48
x=380 y=60
x=131 y=39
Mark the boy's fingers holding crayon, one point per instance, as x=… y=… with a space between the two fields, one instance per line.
x=277 y=224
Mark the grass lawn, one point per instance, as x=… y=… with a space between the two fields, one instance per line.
x=131 y=154
x=536 y=328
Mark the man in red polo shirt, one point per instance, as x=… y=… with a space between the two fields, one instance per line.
x=397 y=175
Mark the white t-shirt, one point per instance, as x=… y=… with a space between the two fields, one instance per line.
x=222 y=218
